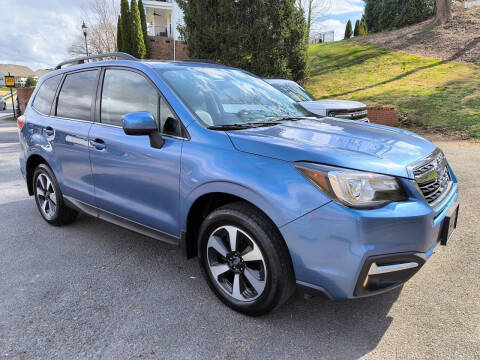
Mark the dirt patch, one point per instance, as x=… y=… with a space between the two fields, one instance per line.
x=458 y=40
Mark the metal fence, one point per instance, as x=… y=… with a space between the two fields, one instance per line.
x=323 y=37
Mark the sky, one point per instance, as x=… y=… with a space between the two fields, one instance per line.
x=337 y=16
x=38 y=33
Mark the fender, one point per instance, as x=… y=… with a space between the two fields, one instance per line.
x=235 y=189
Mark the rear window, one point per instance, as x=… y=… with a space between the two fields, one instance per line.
x=46 y=93
x=76 y=96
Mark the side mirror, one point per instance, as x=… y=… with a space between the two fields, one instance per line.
x=143 y=123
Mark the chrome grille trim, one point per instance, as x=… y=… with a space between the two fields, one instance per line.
x=433 y=178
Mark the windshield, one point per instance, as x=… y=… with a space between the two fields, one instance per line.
x=293 y=90
x=222 y=96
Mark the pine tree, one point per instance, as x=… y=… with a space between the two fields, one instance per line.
x=383 y=15
x=297 y=46
x=356 y=31
x=119 y=34
x=257 y=35
x=143 y=20
x=126 y=27
x=348 y=30
x=138 y=44
x=363 y=30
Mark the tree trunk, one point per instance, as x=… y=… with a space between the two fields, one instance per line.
x=444 y=11
x=309 y=20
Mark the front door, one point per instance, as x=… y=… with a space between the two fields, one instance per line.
x=134 y=181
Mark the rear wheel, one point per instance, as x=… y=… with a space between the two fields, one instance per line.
x=245 y=259
x=49 y=198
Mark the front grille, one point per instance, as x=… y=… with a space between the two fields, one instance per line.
x=433 y=177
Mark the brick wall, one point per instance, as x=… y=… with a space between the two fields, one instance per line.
x=24 y=95
x=161 y=48
x=383 y=115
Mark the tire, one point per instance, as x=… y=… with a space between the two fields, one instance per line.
x=49 y=198
x=259 y=264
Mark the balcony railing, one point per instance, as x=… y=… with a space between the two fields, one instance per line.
x=159 y=31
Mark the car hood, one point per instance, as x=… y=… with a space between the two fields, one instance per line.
x=337 y=142
x=332 y=105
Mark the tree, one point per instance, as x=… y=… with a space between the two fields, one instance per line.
x=296 y=47
x=138 y=44
x=381 y=15
x=100 y=17
x=362 y=29
x=313 y=10
x=126 y=27
x=348 y=30
x=356 y=31
x=261 y=36
x=143 y=21
x=31 y=82
x=119 y=34
x=444 y=11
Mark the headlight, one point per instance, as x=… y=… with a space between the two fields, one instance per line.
x=356 y=189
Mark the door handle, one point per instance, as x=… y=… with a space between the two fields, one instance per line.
x=49 y=131
x=98 y=144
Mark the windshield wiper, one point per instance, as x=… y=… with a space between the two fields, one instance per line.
x=290 y=118
x=256 y=124
x=241 y=126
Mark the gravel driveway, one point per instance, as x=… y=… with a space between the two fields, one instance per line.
x=93 y=290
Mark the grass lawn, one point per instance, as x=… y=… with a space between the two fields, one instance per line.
x=5 y=91
x=434 y=94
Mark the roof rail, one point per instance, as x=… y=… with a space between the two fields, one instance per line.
x=81 y=60
x=205 y=61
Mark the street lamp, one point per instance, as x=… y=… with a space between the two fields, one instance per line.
x=84 y=28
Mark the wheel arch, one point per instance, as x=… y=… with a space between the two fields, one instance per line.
x=206 y=202
x=32 y=162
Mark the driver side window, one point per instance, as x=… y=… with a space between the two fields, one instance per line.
x=127 y=91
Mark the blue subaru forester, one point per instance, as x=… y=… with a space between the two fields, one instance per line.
x=215 y=160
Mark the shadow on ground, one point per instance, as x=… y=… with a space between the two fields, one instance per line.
x=92 y=289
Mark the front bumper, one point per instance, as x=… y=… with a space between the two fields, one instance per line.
x=332 y=248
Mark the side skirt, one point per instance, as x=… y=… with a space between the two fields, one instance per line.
x=121 y=221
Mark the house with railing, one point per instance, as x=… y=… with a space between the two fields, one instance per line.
x=163 y=18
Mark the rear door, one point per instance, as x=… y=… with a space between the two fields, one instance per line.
x=69 y=128
x=134 y=181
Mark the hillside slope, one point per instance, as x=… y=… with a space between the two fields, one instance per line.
x=458 y=40
x=435 y=94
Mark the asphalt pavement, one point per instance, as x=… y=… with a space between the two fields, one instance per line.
x=93 y=290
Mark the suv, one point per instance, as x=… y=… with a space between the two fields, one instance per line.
x=344 y=109
x=220 y=163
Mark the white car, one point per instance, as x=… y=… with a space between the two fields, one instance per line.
x=344 y=109
x=3 y=104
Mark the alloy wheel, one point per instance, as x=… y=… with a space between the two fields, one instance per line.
x=236 y=263
x=46 y=196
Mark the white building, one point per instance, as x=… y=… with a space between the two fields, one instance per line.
x=163 y=17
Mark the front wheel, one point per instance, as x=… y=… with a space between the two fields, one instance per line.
x=245 y=259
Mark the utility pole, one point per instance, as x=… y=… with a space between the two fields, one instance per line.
x=13 y=104
x=174 y=44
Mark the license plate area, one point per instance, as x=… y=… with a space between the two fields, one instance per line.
x=449 y=224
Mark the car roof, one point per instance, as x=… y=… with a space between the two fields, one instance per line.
x=137 y=64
